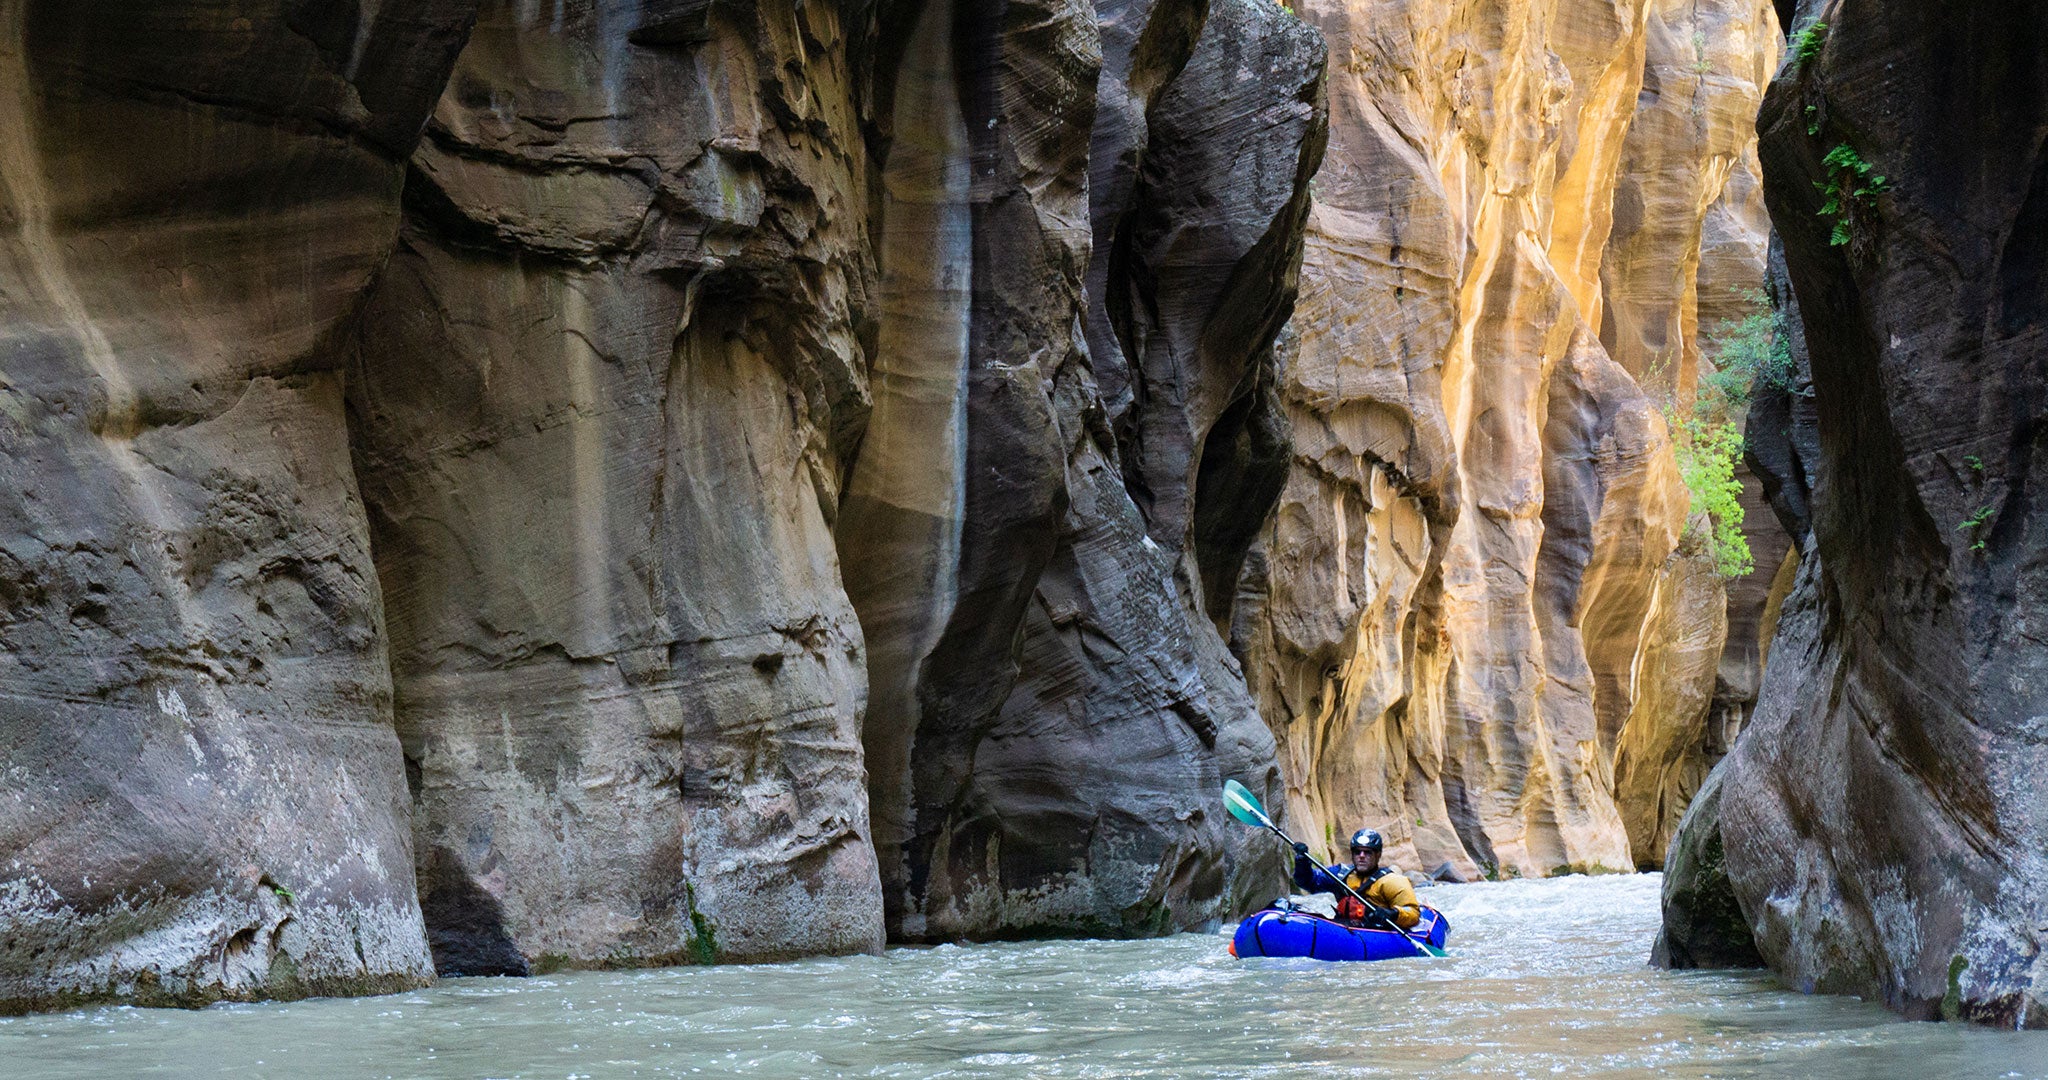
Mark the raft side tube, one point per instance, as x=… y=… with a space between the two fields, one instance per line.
x=1277 y=933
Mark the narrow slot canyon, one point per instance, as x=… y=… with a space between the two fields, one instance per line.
x=607 y=496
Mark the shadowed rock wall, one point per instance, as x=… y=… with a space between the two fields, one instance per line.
x=1469 y=622
x=754 y=477
x=204 y=796
x=1051 y=713
x=602 y=397
x=1882 y=817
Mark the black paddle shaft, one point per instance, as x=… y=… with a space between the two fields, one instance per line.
x=1341 y=883
x=1236 y=798
x=1371 y=908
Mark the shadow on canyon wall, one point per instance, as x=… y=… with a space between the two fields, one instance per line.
x=1879 y=830
x=618 y=483
x=500 y=486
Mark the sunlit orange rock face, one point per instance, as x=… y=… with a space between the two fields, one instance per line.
x=1472 y=621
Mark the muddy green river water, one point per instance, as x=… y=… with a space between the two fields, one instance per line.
x=1546 y=979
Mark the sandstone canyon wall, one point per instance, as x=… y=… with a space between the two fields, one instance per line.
x=508 y=485
x=203 y=794
x=1050 y=715
x=495 y=486
x=602 y=396
x=1471 y=621
x=1879 y=830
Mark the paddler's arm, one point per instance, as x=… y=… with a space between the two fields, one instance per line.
x=1309 y=876
x=1394 y=891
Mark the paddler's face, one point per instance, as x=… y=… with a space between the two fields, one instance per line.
x=1366 y=859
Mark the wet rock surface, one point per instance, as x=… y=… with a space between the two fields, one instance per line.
x=1703 y=925
x=1881 y=818
x=602 y=395
x=1051 y=712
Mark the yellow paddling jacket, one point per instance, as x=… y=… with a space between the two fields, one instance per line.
x=1382 y=888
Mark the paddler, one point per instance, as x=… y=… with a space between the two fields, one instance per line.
x=1389 y=896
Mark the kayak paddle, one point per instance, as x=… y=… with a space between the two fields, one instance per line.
x=1245 y=807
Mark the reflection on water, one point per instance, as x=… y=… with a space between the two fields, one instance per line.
x=1546 y=978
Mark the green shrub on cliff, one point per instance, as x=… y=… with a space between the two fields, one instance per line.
x=1707 y=455
x=1751 y=352
x=1754 y=352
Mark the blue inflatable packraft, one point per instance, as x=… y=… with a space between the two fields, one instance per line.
x=1275 y=932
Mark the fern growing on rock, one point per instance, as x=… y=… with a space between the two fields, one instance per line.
x=1851 y=182
x=1806 y=44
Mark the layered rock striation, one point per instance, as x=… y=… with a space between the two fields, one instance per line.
x=499 y=486
x=1684 y=269
x=204 y=797
x=1471 y=621
x=1051 y=713
x=603 y=397
x=1879 y=828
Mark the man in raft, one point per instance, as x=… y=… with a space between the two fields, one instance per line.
x=1389 y=897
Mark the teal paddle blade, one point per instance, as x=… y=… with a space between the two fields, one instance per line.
x=1243 y=806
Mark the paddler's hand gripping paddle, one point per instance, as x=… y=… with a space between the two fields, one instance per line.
x=1245 y=807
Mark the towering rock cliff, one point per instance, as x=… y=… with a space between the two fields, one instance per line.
x=753 y=477
x=603 y=395
x=1684 y=268
x=1471 y=622
x=203 y=795
x=502 y=485
x=1051 y=714
x=1879 y=829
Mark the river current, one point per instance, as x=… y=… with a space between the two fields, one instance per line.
x=1546 y=979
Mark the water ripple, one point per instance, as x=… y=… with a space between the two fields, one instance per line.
x=1546 y=979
